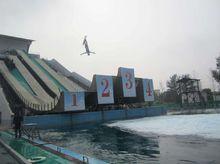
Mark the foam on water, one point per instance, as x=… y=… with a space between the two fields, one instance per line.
x=204 y=125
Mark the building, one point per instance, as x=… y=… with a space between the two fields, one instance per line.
x=189 y=90
x=11 y=42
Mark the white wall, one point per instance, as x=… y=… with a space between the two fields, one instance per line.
x=13 y=43
x=6 y=113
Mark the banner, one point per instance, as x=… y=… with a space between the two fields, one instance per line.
x=148 y=89
x=74 y=101
x=104 y=85
x=128 y=82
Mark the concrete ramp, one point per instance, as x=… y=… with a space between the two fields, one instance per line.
x=81 y=79
x=52 y=79
x=40 y=92
x=76 y=78
x=68 y=84
x=39 y=72
x=28 y=98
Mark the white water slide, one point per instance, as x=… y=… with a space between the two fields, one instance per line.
x=36 y=87
x=24 y=94
x=68 y=84
x=40 y=73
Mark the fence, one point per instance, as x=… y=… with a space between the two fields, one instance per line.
x=176 y=106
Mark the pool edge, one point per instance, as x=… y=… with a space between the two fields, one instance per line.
x=14 y=154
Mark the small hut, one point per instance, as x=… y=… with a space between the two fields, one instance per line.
x=189 y=90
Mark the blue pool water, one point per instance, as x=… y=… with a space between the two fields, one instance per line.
x=164 y=139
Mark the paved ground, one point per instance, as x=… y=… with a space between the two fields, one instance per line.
x=5 y=157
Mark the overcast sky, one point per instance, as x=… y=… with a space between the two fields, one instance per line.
x=155 y=37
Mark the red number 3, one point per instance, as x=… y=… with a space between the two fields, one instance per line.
x=129 y=83
x=105 y=92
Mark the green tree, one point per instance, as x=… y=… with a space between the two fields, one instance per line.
x=216 y=73
x=172 y=83
x=208 y=93
x=171 y=95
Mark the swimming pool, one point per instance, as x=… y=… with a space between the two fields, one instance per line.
x=122 y=142
x=105 y=143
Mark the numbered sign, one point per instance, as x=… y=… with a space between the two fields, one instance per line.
x=104 y=85
x=74 y=101
x=128 y=81
x=148 y=89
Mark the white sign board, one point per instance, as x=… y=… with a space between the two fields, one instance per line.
x=148 y=89
x=104 y=85
x=74 y=101
x=128 y=82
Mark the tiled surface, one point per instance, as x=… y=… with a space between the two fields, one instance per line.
x=5 y=157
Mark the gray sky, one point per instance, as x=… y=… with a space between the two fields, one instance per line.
x=155 y=37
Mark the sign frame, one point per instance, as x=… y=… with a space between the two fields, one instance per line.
x=74 y=101
x=148 y=89
x=104 y=88
x=128 y=81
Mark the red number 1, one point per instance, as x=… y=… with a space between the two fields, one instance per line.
x=74 y=100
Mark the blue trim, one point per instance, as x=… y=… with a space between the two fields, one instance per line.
x=71 y=119
x=67 y=152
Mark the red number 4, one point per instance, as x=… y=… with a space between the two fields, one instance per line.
x=148 y=89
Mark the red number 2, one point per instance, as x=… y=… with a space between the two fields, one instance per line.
x=129 y=83
x=105 y=92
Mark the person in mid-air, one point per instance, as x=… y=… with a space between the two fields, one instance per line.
x=85 y=43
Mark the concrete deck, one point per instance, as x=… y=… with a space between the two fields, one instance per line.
x=5 y=157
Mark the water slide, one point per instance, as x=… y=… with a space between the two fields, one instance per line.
x=55 y=81
x=68 y=84
x=82 y=79
x=16 y=81
x=74 y=77
x=40 y=73
x=18 y=76
x=35 y=86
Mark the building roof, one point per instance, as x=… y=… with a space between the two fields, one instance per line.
x=13 y=37
x=11 y=42
x=185 y=79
